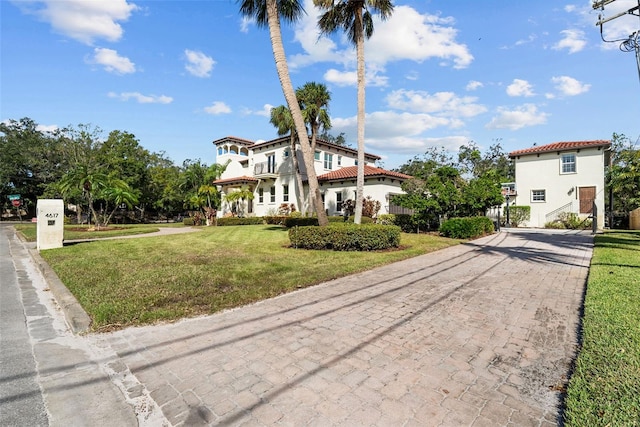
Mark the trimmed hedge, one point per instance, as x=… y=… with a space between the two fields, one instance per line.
x=467 y=228
x=275 y=219
x=363 y=219
x=255 y=220
x=299 y=221
x=346 y=237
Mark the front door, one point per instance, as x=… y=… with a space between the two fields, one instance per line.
x=587 y=196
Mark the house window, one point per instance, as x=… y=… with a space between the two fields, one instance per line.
x=339 y=202
x=316 y=156
x=328 y=161
x=568 y=163
x=220 y=151
x=286 y=154
x=271 y=163
x=538 y=195
x=260 y=195
x=285 y=193
x=339 y=160
x=272 y=192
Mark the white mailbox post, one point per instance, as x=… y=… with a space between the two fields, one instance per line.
x=50 y=223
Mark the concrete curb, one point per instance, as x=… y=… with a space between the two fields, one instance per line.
x=77 y=319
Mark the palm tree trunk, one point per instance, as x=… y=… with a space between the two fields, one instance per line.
x=294 y=107
x=296 y=169
x=361 y=117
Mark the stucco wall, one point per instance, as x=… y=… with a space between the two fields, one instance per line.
x=543 y=172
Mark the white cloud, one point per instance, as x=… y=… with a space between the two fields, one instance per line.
x=350 y=78
x=112 y=62
x=520 y=88
x=140 y=98
x=569 y=86
x=218 y=107
x=244 y=24
x=406 y=35
x=264 y=112
x=82 y=20
x=574 y=41
x=384 y=125
x=473 y=85
x=441 y=103
x=198 y=64
x=47 y=128
x=518 y=118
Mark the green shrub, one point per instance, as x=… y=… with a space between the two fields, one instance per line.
x=556 y=225
x=386 y=219
x=346 y=237
x=275 y=219
x=467 y=228
x=363 y=219
x=295 y=221
x=572 y=221
x=519 y=214
x=188 y=221
x=255 y=220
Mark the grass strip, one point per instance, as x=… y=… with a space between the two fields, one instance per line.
x=604 y=389
x=81 y=232
x=162 y=278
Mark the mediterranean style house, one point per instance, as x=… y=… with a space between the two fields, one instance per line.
x=561 y=177
x=267 y=170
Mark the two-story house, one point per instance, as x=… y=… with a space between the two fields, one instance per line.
x=267 y=170
x=561 y=177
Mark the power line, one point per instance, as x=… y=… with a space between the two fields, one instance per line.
x=631 y=43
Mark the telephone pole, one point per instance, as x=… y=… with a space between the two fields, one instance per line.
x=631 y=43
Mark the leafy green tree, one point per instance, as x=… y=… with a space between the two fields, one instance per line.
x=283 y=121
x=314 y=100
x=623 y=175
x=89 y=182
x=163 y=187
x=237 y=198
x=197 y=184
x=355 y=18
x=116 y=193
x=30 y=160
x=268 y=13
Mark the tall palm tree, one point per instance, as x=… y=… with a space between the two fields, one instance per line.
x=314 y=99
x=282 y=120
x=268 y=13
x=354 y=17
x=89 y=182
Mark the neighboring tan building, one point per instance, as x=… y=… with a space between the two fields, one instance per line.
x=267 y=170
x=561 y=177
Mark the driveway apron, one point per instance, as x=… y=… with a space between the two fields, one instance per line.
x=479 y=334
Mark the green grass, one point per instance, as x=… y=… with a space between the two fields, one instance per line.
x=604 y=389
x=140 y=281
x=78 y=232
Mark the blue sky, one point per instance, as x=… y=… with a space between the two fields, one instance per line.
x=180 y=74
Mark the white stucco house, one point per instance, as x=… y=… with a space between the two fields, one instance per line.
x=561 y=177
x=267 y=170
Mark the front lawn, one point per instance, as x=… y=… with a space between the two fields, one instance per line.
x=604 y=389
x=81 y=232
x=140 y=281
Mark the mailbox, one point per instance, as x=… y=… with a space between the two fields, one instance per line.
x=50 y=223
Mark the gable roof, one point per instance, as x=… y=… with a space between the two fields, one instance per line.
x=560 y=146
x=351 y=172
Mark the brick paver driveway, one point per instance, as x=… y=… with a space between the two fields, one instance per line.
x=479 y=334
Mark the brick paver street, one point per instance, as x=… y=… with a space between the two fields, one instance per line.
x=481 y=334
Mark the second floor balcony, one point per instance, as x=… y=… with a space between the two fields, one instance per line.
x=265 y=170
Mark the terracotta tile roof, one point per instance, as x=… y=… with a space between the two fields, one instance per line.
x=560 y=146
x=351 y=172
x=237 y=179
x=234 y=139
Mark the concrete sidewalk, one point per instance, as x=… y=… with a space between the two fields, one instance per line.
x=478 y=334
